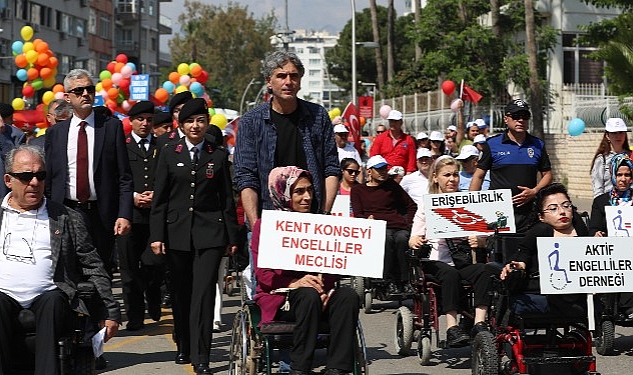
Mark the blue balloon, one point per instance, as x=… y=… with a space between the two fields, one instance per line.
x=22 y=75
x=131 y=65
x=576 y=127
x=170 y=87
x=17 y=47
x=196 y=88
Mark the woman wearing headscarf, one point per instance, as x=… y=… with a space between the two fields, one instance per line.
x=312 y=298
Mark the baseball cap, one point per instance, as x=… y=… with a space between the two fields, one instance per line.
x=452 y=128
x=479 y=138
x=517 y=105
x=481 y=124
x=422 y=135
x=340 y=128
x=394 y=115
x=467 y=151
x=615 y=124
x=470 y=124
x=376 y=161
x=423 y=153
x=436 y=136
x=396 y=170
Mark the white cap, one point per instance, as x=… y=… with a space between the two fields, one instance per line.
x=340 y=128
x=396 y=170
x=436 y=136
x=422 y=135
x=470 y=124
x=376 y=161
x=479 y=138
x=467 y=151
x=423 y=153
x=615 y=124
x=394 y=115
x=481 y=124
x=452 y=128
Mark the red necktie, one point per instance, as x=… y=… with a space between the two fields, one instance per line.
x=83 y=185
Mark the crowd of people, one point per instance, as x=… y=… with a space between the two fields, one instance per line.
x=167 y=198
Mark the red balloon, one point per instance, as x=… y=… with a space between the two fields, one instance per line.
x=127 y=127
x=28 y=91
x=124 y=83
x=122 y=58
x=448 y=87
x=202 y=77
x=110 y=66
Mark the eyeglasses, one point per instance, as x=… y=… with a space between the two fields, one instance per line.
x=79 y=91
x=379 y=131
x=26 y=177
x=553 y=208
x=352 y=171
x=520 y=116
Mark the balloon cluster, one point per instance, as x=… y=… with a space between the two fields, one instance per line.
x=187 y=77
x=114 y=84
x=36 y=63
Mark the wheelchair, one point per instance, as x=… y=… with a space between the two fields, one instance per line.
x=369 y=289
x=421 y=323
x=75 y=352
x=610 y=317
x=252 y=347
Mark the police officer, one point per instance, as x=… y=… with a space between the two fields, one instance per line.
x=139 y=279
x=193 y=222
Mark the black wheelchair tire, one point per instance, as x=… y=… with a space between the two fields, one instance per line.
x=403 y=331
x=485 y=360
x=604 y=343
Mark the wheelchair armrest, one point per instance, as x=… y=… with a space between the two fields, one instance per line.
x=86 y=290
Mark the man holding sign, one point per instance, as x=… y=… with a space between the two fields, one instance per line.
x=305 y=298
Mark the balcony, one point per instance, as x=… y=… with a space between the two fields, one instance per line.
x=164 y=25
x=127 y=46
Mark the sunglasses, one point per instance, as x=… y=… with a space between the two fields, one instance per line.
x=520 y=116
x=28 y=176
x=353 y=171
x=79 y=91
x=379 y=131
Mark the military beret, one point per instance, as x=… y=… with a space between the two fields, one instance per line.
x=197 y=106
x=144 y=106
x=215 y=133
x=180 y=98
x=161 y=117
x=5 y=110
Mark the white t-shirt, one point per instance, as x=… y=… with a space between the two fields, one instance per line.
x=416 y=185
x=26 y=260
x=349 y=151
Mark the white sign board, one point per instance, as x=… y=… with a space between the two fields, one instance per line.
x=342 y=206
x=468 y=213
x=585 y=265
x=322 y=244
x=139 y=87
x=619 y=221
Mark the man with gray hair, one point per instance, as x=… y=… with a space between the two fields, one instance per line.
x=58 y=110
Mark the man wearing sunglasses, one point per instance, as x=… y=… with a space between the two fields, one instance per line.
x=10 y=136
x=515 y=158
x=87 y=166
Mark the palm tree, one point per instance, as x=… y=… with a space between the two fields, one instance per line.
x=536 y=94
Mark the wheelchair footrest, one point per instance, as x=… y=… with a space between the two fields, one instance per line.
x=558 y=360
x=276 y=328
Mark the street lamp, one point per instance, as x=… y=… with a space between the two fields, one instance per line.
x=354 y=44
x=252 y=82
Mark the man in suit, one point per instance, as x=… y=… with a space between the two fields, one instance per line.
x=46 y=252
x=58 y=110
x=10 y=136
x=140 y=280
x=87 y=166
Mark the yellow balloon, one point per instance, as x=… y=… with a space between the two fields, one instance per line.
x=18 y=104
x=181 y=88
x=28 y=46
x=219 y=120
x=183 y=69
x=98 y=87
x=48 y=97
x=26 y=32
x=49 y=82
x=335 y=112
x=41 y=132
x=31 y=56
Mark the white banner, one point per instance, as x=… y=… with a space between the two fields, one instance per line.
x=585 y=265
x=469 y=213
x=322 y=244
x=342 y=206
x=619 y=221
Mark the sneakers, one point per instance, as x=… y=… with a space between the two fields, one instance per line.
x=478 y=327
x=455 y=337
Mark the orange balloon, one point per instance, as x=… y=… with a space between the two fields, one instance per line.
x=161 y=95
x=106 y=84
x=32 y=73
x=42 y=59
x=58 y=88
x=53 y=62
x=174 y=77
x=118 y=66
x=41 y=47
x=362 y=120
x=196 y=70
x=20 y=61
x=113 y=93
x=46 y=73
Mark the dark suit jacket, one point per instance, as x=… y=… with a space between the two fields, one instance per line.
x=143 y=167
x=75 y=259
x=193 y=205
x=9 y=138
x=112 y=176
x=38 y=141
x=598 y=222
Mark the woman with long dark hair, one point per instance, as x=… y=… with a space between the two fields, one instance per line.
x=614 y=141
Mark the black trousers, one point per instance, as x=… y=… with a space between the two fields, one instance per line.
x=52 y=315
x=450 y=279
x=102 y=236
x=139 y=281
x=193 y=277
x=395 y=262
x=341 y=314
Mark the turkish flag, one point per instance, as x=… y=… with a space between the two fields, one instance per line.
x=351 y=115
x=470 y=94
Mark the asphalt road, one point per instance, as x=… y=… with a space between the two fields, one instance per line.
x=151 y=351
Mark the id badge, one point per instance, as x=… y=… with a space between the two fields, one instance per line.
x=209 y=171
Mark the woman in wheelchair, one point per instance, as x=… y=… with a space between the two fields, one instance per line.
x=311 y=299
x=445 y=179
x=621 y=168
x=553 y=216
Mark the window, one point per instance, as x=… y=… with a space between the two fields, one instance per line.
x=577 y=66
x=79 y=27
x=104 y=60
x=314 y=62
x=153 y=44
x=314 y=73
x=314 y=84
x=35 y=14
x=105 y=29
x=64 y=63
x=21 y=9
x=152 y=6
x=92 y=22
x=92 y=65
x=65 y=23
x=126 y=6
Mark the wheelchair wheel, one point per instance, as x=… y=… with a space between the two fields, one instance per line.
x=358 y=283
x=485 y=358
x=424 y=349
x=404 y=331
x=368 y=302
x=604 y=343
x=361 y=364
x=240 y=362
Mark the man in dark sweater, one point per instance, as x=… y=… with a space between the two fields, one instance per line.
x=383 y=199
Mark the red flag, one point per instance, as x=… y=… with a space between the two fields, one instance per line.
x=471 y=95
x=351 y=114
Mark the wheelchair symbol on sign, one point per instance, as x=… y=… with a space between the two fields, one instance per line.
x=558 y=277
x=619 y=226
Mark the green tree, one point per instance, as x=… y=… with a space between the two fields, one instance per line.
x=228 y=42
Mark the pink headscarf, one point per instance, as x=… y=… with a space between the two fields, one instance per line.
x=280 y=181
